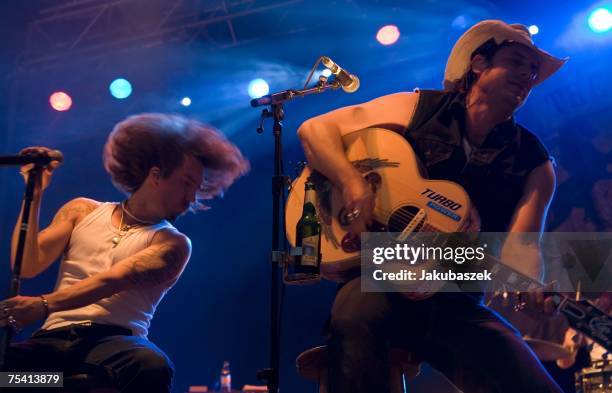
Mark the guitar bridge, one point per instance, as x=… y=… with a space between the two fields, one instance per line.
x=418 y=219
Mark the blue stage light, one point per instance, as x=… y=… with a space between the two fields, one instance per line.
x=186 y=101
x=600 y=20
x=258 y=87
x=120 y=88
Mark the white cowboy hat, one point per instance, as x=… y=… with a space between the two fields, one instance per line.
x=458 y=63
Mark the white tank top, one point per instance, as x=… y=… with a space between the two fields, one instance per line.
x=89 y=252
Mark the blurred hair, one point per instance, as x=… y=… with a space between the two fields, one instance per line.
x=149 y=140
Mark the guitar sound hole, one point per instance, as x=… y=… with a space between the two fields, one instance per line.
x=402 y=217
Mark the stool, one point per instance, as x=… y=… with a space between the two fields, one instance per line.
x=312 y=365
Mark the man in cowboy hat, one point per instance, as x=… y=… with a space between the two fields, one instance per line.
x=465 y=133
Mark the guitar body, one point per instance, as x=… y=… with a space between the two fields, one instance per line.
x=405 y=201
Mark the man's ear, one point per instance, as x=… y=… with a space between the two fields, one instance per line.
x=478 y=64
x=155 y=175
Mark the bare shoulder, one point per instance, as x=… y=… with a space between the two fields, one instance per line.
x=399 y=108
x=403 y=99
x=76 y=209
x=543 y=178
x=388 y=105
x=172 y=238
x=396 y=108
x=392 y=109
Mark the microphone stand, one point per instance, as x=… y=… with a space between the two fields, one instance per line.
x=276 y=112
x=6 y=333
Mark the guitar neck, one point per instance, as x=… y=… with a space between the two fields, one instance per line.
x=582 y=315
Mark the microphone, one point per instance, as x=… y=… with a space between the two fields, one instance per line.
x=33 y=157
x=349 y=82
x=44 y=157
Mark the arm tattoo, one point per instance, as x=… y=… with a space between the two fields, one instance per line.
x=74 y=210
x=156 y=266
x=70 y=212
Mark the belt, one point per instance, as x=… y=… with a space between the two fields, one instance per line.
x=84 y=328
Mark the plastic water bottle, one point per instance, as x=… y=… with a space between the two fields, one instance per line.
x=225 y=380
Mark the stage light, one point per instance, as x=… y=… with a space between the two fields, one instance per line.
x=186 y=101
x=326 y=72
x=258 y=88
x=120 y=88
x=388 y=35
x=533 y=29
x=600 y=20
x=60 y=101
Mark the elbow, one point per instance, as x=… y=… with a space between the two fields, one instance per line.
x=27 y=274
x=304 y=131
x=313 y=130
x=27 y=271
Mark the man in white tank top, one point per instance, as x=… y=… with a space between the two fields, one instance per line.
x=118 y=259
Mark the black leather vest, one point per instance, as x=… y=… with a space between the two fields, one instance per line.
x=495 y=173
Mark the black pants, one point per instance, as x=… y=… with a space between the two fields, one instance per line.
x=132 y=363
x=453 y=332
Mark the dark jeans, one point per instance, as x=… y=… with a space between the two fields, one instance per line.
x=454 y=332
x=133 y=364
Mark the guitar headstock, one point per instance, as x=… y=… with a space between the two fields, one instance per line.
x=587 y=318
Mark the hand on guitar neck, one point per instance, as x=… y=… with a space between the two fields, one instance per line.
x=538 y=301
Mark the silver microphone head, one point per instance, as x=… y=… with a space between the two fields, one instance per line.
x=353 y=86
x=349 y=82
x=328 y=63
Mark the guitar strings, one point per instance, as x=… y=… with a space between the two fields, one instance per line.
x=406 y=217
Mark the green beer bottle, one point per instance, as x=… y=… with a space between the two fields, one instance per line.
x=308 y=235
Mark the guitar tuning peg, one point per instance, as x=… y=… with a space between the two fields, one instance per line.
x=505 y=300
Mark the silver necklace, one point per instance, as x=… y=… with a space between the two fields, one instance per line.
x=123 y=229
x=132 y=216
